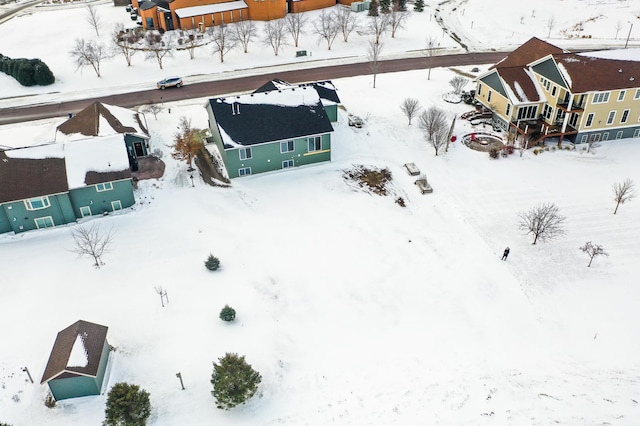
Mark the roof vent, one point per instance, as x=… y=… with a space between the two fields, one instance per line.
x=235 y=108
x=631 y=78
x=620 y=70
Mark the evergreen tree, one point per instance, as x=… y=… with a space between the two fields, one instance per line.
x=418 y=6
x=227 y=313
x=234 y=381
x=127 y=405
x=373 y=8
x=385 y=6
x=402 y=5
x=212 y=263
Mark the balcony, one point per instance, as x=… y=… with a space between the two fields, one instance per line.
x=536 y=131
x=564 y=106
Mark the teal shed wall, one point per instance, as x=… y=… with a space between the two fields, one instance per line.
x=100 y=202
x=267 y=157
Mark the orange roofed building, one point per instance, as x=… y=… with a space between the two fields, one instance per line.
x=199 y=14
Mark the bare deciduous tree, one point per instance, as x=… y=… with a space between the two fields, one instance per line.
x=295 y=23
x=223 y=39
x=397 y=18
x=152 y=108
x=373 y=55
x=458 y=84
x=433 y=123
x=543 y=221
x=162 y=293
x=347 y=22
x=410 y=107
x=274 y=34
x=187 y=141
x=244 y=32
x=551 y=24
x=124 y=42
x=378 y=26
x=430 y=51
x=593 y=250
x=93 y=18
x=619 y=26
x=624 y=191
x=89 y=53
x=92 y=242
x=326 y=27
x=157 y=46
x=190 y=40
x=592 y=144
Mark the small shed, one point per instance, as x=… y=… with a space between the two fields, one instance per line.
x=78 y=361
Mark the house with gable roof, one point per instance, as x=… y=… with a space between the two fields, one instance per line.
x=100 y=119
x=540 y=91
x=270 y=130
x=78 y=361
x=56 y=184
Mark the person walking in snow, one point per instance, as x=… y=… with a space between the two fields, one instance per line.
x=505 y=254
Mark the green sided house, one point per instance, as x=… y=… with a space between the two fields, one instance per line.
x=270 y=130
x=100 y=119
x=78 y=361
x=55 y=184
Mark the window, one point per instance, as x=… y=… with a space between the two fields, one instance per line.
x=107 y=186
x=287 y=164
x=636 y=133
x=584 y=139
x=37 y=203
x=595 y=137
x=480 y=89
x=625 y=116
x=621 y=95
x=85 y=211
x=605 y=136
x=573 y=119
x=315 y=143
x=619 y=134
x=546 y=83
x=245 y=153
x=601 y=98
x=612 y=116
x=637 y=95
x=527 y=112
x=116 y=205
x=589 y=120
x=44 y=222
x=489 y=96
x=554 y=90
x=244 y=171
x=287 y=146
x=508 y=111
x=547 y=111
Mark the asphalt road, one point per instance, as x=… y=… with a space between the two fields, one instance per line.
x=215 y=88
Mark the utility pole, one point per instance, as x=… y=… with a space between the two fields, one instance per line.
x=628 y=35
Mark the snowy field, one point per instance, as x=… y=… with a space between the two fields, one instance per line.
x=354 y=310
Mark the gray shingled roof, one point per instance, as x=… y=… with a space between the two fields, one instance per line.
x=93 y=337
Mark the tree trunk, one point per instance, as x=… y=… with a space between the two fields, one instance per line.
x=617 y=205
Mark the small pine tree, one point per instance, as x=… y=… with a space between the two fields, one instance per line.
x=212 y=263
x=234 y=381
x=373 y=8
x=418 y=6
x=4 y=424
x=127 y=405
x=227 y=313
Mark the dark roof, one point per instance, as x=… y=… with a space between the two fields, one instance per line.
x=530 y=51
x=521 y=84
x=24 y=178
x=87 y=121
x=270 y=116
x=93 y=338
x=92 y=178
x=326 y=90
x=275 y=84
x=146 y=5
x=588 y=73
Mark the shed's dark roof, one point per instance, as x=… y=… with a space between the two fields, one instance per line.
x=93 y=337
x=87 y=122
x=23 y=178
x=326 y=90
x=270 y=116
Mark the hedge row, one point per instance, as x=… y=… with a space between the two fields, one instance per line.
x=28 y=72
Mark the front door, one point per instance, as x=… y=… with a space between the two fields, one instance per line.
x=137 y=146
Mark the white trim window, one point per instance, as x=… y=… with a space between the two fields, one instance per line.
x=554 y=90
x=287 y=146
x=508 y=110
x=245 y=171
x=636 y=133
x=479 y=89
x=605 y=136
x=600 y=98
x=625 y=116
x=489 y=96
x=44 y=222
x=101 y=187
x=621 y=95
x=85 y=211
x=584 y=139
x=547 y=111
x=612 y=117
x=589 y=121
x=315 y=143
x=287 y=163
x=637 y=95
x=37 y=203
x=245 y=153
x=619 y=134
x=116 y=205
x=527 y=112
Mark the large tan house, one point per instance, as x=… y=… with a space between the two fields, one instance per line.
x=541 y=91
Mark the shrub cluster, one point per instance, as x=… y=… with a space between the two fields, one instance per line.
x=28 y=72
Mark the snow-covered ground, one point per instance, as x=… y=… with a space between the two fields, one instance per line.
x=354 y=309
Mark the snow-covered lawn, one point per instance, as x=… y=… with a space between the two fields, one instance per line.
x=354 y=310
